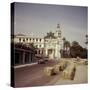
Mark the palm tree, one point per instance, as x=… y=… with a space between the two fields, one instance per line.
x=66 y=47
x=64 y=40
x=66 y=44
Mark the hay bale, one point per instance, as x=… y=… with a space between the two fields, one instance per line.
x=69 y=72
x=82 y=62
x=78 y=58
x=49 y=71
x=86 y=62
x=62 y=65
x=56 y=68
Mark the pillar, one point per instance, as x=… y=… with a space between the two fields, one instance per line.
x=46 y=52
x=23 y=58
x=30 y=57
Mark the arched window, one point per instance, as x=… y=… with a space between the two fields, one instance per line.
x=23 y=39
x=19 y=39
x=27 y=39
x=30 y=39
x=40 y=40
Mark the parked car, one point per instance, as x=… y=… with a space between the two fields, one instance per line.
x=46 y=58
x=41 y=59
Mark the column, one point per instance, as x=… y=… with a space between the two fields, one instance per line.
x=56 y=51
x=30 y=57
x=46 y=52
x=37 y=52
x=23 y=57
x=41 y=51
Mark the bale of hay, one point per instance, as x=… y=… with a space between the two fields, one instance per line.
x=86 y=62
x=78 y=58
x=49 y=71
x=62 y=65
x=56 y=68
x=82 y=62
x=69 y=72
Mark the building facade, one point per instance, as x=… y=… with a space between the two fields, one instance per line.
x=23 y=54
x=50 y=45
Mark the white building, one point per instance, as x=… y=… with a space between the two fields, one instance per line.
x=50 y=45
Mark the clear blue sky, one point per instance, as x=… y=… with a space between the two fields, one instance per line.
x=40 y=19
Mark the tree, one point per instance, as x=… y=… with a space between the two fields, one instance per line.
x=66 y=48
x=75 y=43
x=76 y=49
x=66 y=44
x=84 y=53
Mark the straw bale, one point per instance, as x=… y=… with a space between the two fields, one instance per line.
x=49 y=71
x=56 y=68
x=69 y=72
x=62 y=65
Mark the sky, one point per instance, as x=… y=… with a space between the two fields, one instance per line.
x=38 y=19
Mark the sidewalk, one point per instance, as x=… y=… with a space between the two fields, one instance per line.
x=25 y=65
x=81 y=76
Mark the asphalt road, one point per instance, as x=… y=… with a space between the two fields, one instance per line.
x=33 y=76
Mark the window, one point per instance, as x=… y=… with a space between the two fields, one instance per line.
x=39 y=52
x=36 y=46
x=19 y=39
x=46 y=40
x=27 y=39
x=30 y=39
x=33 y=39
x=35 y=52
x=59 y=34
x=24 y=40
x=36 y=39
x=39 y=45
x=40 y=40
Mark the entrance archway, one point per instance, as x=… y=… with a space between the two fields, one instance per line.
x=51 y=53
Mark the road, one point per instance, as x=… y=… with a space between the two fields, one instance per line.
x=33 y=76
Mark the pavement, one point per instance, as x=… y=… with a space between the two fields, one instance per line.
x=25 y=65
x=81 y=76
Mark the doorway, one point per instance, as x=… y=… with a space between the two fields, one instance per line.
x=51 y=53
